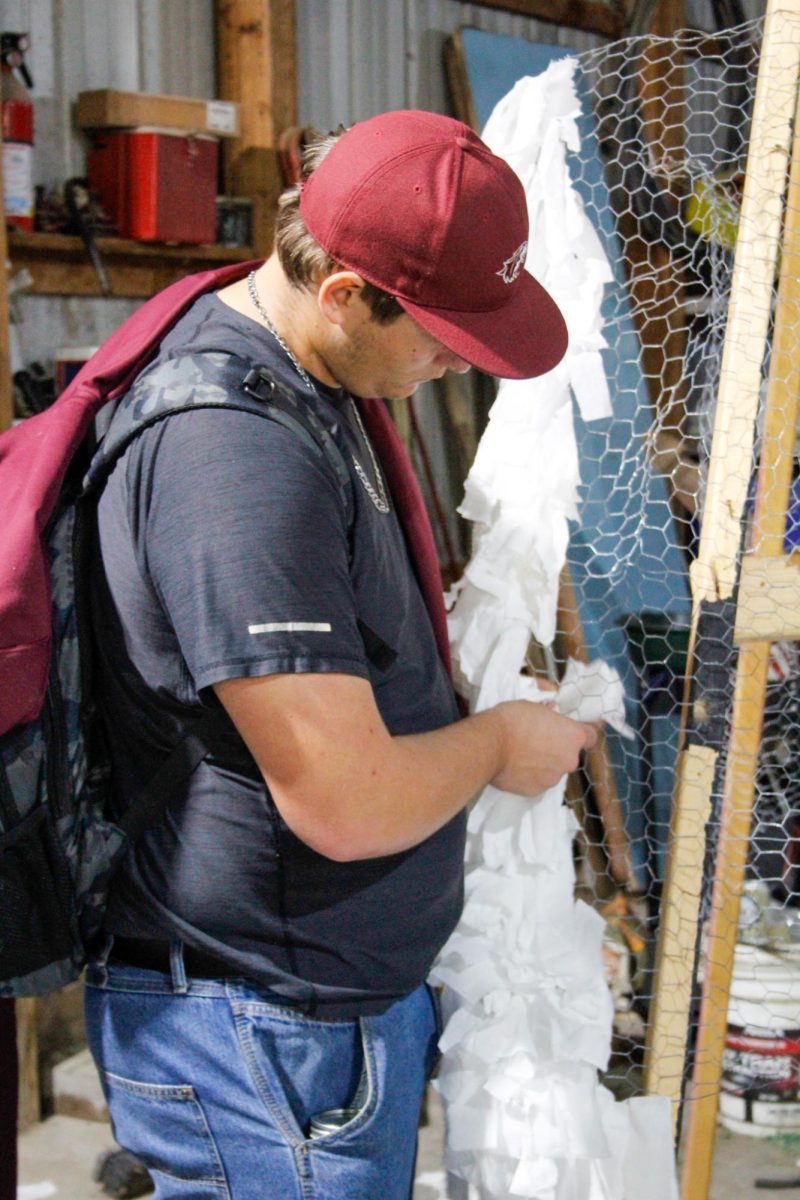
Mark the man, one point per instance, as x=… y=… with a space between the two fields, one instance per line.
x=262 y=1023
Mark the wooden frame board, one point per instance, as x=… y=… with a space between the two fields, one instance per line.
x=715 y=576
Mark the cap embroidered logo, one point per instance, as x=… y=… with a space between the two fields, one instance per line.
x=513 y=265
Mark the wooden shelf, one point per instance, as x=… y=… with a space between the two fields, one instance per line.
x=60 y=264
x=588 y=15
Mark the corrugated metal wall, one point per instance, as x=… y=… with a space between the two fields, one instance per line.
x=355 y=57
x=358 y=57
x=135 y=45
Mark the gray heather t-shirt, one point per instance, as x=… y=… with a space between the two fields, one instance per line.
x=224 y=551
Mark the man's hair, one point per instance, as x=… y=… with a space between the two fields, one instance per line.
x=303 y=260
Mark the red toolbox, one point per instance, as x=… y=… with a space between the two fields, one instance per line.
x=156 y=186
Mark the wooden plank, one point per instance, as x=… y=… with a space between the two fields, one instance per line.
x=589 y=838
x=669 y=1011
x=656 y=278
x=6 y=395
x=702 y=1095
x=715 y=570
x=257 y=68
x=460 y=92
x=572 y=644
x=402 y=420
x=768 y=601
x=59 y=264
x=59 y=244
x=714 y=574
x=459 y=407
x=28 y=1057
x=764 y=602
x=9 y=1098
x=575 y=14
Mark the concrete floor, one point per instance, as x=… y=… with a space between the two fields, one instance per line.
x=739 y=1161
x=57 y=1159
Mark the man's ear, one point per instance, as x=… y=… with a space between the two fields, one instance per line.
x=339 y=298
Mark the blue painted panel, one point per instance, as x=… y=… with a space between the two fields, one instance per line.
x=624 y=555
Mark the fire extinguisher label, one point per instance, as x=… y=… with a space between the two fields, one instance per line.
x=18 y=179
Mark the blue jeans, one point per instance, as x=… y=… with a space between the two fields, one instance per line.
x=213 y=1087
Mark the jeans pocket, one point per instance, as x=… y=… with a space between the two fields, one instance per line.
x=164 y=1125
x=338 y=1122
x=303 y=1067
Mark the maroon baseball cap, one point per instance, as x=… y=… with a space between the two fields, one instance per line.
x=418 y=205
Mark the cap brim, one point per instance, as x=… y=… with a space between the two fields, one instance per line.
x=526 y=337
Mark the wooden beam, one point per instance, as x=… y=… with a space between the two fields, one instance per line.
x=6 y=395
x=28 y=1057
x=257 y=67
x=714 y=577
x=669 y=1012
x=576 y=14
x=656 y=277
x=768 y=601
x=764 y=604
x=571 y=640
x=59 y=264
x=733 y=840
x=715 y=570
x=458 y=85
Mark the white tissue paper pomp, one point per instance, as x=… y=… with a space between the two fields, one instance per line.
x=528 y=1011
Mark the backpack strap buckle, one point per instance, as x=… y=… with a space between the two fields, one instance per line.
x=258 y=384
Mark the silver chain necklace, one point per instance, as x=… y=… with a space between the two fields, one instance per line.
x=379 y=498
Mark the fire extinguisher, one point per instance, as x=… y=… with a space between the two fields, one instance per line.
x=18 y=194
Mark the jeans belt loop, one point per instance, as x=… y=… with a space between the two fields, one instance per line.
x=177 y=969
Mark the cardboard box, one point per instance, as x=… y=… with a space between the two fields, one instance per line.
x=110 y=109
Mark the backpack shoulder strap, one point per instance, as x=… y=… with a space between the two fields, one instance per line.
x=179 y=764
x=215 y=379
x=281 y=405
x=209 y=380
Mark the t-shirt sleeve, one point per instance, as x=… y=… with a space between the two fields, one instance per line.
x=242 y=529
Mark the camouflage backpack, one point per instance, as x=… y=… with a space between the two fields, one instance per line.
x=58 y=847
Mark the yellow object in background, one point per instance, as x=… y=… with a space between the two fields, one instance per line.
x=712 y=209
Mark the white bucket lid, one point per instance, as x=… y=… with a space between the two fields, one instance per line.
x=766 y=1120
x=766 y=1017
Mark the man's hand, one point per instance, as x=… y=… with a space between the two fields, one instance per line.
x=539 y=747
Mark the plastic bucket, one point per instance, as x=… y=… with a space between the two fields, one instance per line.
x=760 y=1083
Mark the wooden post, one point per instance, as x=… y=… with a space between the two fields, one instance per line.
x=257 y=67
x=766 y=539
x=656 y=278
x=599 y=768
x=6 y=395
x=714 y=574
x=575 y=14
x=28 y=1057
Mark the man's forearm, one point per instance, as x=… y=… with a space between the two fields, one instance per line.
x=350 y=790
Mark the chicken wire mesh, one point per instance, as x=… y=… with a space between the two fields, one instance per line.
x=661 y=169
x=665 y=136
